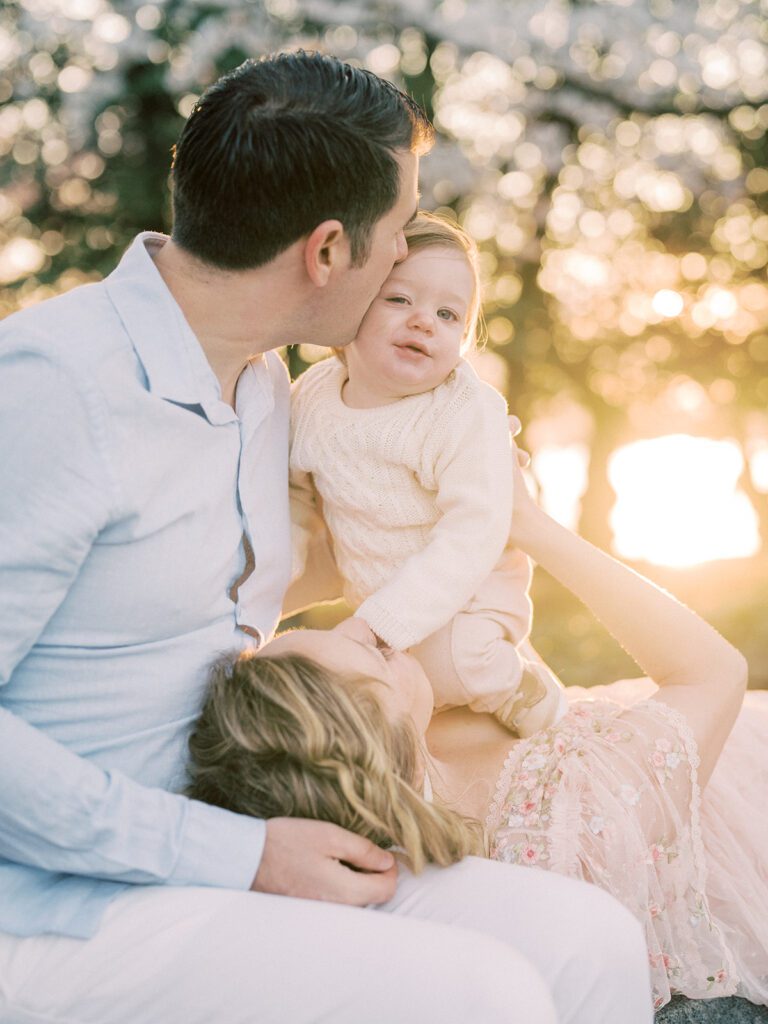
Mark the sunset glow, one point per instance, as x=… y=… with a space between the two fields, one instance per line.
x=678 y=501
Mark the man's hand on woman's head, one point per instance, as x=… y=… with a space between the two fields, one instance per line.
x=315 y=860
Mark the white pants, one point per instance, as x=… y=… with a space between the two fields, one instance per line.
x=477 y=943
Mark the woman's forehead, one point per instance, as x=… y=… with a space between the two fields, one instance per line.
x=292 y=640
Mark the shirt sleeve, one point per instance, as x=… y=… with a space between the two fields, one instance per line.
x=473 y=469
x=59 y=811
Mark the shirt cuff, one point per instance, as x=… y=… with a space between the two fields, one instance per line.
x=219 y=848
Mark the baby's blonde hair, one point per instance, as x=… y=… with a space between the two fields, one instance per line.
x=279 y=736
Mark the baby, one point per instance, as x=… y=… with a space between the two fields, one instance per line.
x=410 y=454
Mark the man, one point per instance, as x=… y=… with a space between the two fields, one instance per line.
x=143 y=432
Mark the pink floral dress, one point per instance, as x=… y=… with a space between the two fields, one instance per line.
x=610 y=795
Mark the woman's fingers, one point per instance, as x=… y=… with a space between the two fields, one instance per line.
x=523 y=458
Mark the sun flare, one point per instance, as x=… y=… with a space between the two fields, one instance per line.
x=678 y=502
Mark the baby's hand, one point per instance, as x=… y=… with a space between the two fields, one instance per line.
x=357 y=629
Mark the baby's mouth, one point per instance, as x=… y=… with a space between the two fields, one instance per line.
x=414 y=346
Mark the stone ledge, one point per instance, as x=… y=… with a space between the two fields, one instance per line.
x=711 y=1011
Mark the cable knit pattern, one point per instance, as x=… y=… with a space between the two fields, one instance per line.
x=417 y=494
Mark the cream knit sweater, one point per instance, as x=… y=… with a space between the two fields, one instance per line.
x=417 y=495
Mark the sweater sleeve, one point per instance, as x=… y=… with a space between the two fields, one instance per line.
x=473 y=469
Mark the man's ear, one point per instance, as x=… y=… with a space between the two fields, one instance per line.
x=326 y=250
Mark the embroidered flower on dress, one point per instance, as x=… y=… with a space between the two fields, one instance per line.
x=568 y=784
x=534 y=761
x=662 y=850
x=718 y=978
x=630 y=795
x=665 y=759
x=658 y=760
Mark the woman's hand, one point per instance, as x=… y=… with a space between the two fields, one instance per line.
x=524 y=510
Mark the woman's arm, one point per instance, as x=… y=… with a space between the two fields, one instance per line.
x=699 y=672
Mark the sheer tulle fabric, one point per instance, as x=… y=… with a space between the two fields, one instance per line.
x=610 y=795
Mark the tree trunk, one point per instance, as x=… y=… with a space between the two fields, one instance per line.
x=599 y=497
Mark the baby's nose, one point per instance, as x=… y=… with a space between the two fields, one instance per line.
x=423 y=319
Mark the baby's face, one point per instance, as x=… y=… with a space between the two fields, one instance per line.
x=411 y=337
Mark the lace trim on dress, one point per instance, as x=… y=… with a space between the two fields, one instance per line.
x=680 y=723
x=493 y=818
x=611 y=794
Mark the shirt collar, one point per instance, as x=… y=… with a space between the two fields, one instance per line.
x=173 y=360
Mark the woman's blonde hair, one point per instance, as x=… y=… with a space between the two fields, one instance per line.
x=431 y=230
x=279 y=736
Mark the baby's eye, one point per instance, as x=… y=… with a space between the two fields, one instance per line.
x=400 y=299
x=447 y=314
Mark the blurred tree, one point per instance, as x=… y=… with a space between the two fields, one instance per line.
x=610 y=157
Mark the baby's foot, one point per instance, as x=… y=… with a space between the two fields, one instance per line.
x=539 y=702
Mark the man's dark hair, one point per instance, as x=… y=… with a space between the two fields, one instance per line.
x=281 y=144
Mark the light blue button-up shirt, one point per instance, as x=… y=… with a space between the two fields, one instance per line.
x=125 y=487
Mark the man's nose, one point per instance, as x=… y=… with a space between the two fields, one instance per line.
x=402 y=248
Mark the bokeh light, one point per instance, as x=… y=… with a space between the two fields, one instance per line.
x=611 y=158
x=678 y=502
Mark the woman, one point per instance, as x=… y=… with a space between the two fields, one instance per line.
x=320 y=725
